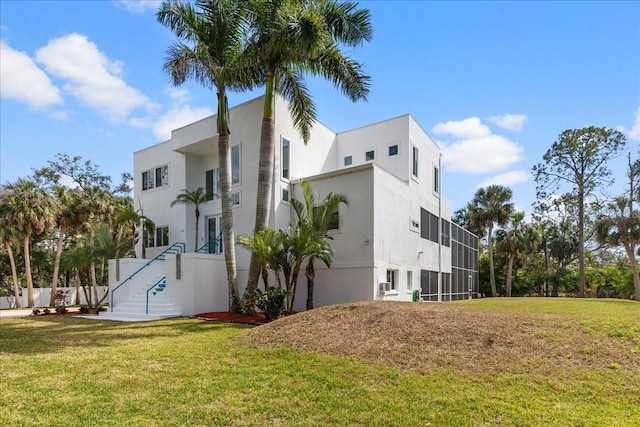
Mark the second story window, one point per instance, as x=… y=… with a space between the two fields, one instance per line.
x=436 y=180
x=156 y=177
x=212 y=184
x=235 y=164
x=285 y=158
x=393 y=150
x=348 y=160
x=414 y=160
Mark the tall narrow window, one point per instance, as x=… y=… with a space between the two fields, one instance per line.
x=285 y=158
x=436 y=180
x=409 y=280
x=212 y=184
x=414 y=158
x=235 y=164
x=392 y=278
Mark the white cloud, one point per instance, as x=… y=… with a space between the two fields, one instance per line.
x=180 y=114
x=507 y=179
x=477 y=150
x=467 y=128
x=23 y=81
x=139 y=6
x=634 y=132
x=513 y=122
x=92 y=77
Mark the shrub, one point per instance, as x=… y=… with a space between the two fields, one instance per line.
x=61 y=309
x=84 y=309
x=272 y=302
x=36 y=311
x=46 y=310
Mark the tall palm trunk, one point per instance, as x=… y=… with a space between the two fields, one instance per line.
x=197 y=221
x=224 y=153
x=581 y=269
x=492 y=273
x=27 y=269
x=56 y=267
x=265 y=178
x=509 y=275
x=629 y=249
x=14 y=275
x=310 y=273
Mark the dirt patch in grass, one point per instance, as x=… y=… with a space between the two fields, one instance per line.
x=423 y=337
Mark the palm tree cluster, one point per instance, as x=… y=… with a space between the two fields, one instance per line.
x=77 y=230
x=305 y=240
x=238 y=45
x=542 y=255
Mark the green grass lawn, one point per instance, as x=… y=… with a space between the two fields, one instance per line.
x=70 y=371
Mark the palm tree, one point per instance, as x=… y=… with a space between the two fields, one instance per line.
x=211 y=35
x=490 y=206
x=517 y=241
x=622 y=228
x=11 y=237
x=195 y=198
x=33 y=210
x=320 y=217
x=290 y=38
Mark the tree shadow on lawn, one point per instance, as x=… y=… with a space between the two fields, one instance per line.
x=51 y=334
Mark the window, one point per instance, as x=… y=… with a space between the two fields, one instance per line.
x=369 y=156
x=214 y=233
x=157 y=177
x=235 y=199
x=414 y=158
x=445 y=239
x=285 y=158
x=235 y=164
x=348 y=160
x=393 y=150
x=285 y=194
x=409 y=281
x=392 y=278
x=429 y=285
x=429 y=223
x=212 y=184
x=333 y=222
x=436 y=180
x=159 y=238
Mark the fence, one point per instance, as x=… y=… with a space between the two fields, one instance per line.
x=41 y=297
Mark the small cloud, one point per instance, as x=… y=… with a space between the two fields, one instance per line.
x=477 y=149
x=23 y=81
x=467 y=128
x=92 y=78
x=507 y=179
x=514 y=122
x=59 y=115
x=634 y=132
x=139 y=6
x=178 y=116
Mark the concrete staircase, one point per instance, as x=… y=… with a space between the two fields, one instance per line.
x=135 y=307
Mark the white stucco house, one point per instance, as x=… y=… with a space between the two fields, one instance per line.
x=395 y=237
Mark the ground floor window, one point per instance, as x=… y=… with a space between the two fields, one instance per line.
x=429 y=285
x=214 y=234
x=409 y=281
x=392 y=279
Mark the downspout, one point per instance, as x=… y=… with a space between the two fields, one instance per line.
x=440 y=227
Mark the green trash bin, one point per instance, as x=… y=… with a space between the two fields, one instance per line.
x=416 y=295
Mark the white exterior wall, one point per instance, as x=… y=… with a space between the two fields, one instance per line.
x=384 y=194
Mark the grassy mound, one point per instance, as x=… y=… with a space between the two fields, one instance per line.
x=482 y=336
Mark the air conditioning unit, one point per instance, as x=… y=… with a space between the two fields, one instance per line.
x=384 y=287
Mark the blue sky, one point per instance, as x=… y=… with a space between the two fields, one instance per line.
x=494 y=83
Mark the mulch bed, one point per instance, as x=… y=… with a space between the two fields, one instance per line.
x=225 y=316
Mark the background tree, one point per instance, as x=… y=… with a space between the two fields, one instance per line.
x=210 y=40
x=32 y=210
x=290 y=38
x=10 y=238
x=518 y=240
x=195 y=198
x=491 y=206
x=579 y=158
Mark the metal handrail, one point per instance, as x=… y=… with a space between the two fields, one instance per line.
x=204 y=249
x=177 y=247
x=164 y=279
